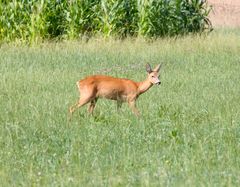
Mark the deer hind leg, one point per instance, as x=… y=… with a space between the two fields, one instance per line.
x=119 y=105
x=82 y=101
x=132 y=105
x=92 y=105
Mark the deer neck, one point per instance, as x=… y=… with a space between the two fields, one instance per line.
x=144 y=86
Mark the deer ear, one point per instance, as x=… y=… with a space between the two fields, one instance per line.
x=148 y=68
x=157 y=68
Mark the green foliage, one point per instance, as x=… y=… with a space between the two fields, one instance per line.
x=188 y=133
x=31 y=20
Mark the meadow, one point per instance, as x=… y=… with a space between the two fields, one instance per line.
x=188 y=133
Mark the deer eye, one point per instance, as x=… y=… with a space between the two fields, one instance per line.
x=152 y=76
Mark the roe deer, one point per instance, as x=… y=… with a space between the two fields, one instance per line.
x=122 y=90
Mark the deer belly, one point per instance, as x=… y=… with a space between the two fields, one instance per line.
x=112 y=94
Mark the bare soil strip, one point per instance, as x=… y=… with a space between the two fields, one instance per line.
x=225 y=13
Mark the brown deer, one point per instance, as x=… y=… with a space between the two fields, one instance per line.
x=122 y=90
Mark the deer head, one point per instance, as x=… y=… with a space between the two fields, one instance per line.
x=153 y=75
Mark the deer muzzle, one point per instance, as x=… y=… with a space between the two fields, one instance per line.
x=158 y=83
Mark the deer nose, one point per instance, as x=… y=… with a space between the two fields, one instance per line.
x=158 y=83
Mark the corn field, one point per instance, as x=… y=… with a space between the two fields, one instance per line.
x=33 y=20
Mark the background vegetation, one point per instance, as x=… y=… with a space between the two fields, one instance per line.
x=34 y=20
x=188 y=135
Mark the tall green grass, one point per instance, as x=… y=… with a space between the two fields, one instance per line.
x=188 y=134
x=30 y=20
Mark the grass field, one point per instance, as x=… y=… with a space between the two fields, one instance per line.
x=188 y=134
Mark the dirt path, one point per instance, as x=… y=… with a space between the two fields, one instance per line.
x=226 y=13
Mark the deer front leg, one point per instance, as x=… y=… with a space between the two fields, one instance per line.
x=132 y=105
